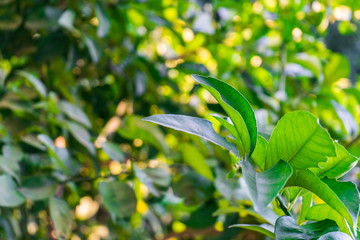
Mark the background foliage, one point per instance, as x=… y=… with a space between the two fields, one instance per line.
x=77 y=77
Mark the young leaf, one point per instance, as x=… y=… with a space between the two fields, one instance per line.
x=287 y=228
x=236 y=106
x=118 y=197
x=61 y=217
x=299 y=140
x=321 y=212
x=263 y=187
x=9 y=195
x=196 y=126
x=265 y=229
x=336 y=167
x=341 y=196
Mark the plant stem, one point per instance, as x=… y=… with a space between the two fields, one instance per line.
x=282 y=206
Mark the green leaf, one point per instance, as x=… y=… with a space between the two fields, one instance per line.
x=335 y=236
x=341 y=196
x=93 y=49
x=104 y=22
x=299 y=140
x=286 y=228
x=259 y=153
x=321 y=212
x=38 y=187
x=193 y=125
x=37 y=83
x=195 y=159
x=75 y=113
x=113 y=151
x=263 y=187
x=9 y=195
x=353 y=91
x=9 y=162
x=337 y=67
x=231 y=189
x=236 y=106
x=118 y=198
x=67 y=19
x=305 y=206
x=61 y=216
x=82 y=135
x=336 y=167
x=265 y=229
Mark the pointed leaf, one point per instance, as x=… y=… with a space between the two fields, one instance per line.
x=113 y=151
x=265 y=229
x=263 y=187
x=287 y=228
x=196 y=126
x=37 y=83
x=82 y=135
x=336 y=167
x=75 y=113
x=236 y=106
x=259 y=153
x=341 y=196
x=346 y=118
x=299 y=140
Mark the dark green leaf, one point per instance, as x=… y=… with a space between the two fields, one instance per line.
x=61 y=217
x=237 y=107
x=265 y=229
x=9 y=195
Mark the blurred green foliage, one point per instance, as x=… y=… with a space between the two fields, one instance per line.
x=77 y=77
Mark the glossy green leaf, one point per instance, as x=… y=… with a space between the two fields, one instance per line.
x=265 y=229
x=231 y=189
x=37 y=83
x=286 y=228
x=321 y=212
x=335 y=236
x=236 y=106
x=9 y=195
x=61 y=216
x=196 y=126
x=118 y=198
x=113 y=150
x=104 y=21
x=336 y=167
x=341 y=196
x=196 y=160
x=263 y=187
x=9 y=162
x=299 y=140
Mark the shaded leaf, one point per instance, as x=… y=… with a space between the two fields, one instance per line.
x=9 y=195
x=104 y=21
x=118 y=198
x=337 y=67
x=335 y=236
x=287 y=228
x=61 y=216
x=263 y=187
x=348 y=120
x=38 y=187
x=113 y=151
x=74 y=112
x=82 y=135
